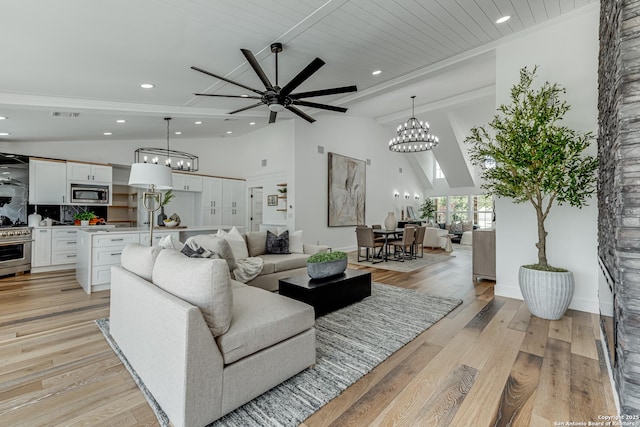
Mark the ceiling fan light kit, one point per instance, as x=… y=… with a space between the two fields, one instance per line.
x=413 y=135
x=277 y=98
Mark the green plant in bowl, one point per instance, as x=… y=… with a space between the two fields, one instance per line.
x=84 y=216
x=326 y=257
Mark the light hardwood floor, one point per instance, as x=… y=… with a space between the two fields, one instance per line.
x=488 y=363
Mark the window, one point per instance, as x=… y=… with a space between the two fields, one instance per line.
x=458 y=208
x=483 y=211
x=441 y=208
x=439 y=173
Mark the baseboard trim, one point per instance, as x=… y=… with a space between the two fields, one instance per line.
x=580 y=304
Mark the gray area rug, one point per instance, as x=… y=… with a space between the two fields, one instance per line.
x=405 y=266
x=350 y=343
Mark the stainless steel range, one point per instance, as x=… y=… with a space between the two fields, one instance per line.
x=15 y=249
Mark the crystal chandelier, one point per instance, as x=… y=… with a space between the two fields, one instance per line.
x=413 y=135
x=176 y=160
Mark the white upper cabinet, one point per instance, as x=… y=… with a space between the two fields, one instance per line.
x=184 y=182
x=233 y=193
x=48 y=182
x=87 y=172
x=211 y=192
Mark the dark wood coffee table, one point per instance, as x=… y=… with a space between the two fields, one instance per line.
x=332 y=293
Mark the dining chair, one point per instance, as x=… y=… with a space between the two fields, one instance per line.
x=366 y=240
x=404 y=246
x=378 y=227
x=418 y=242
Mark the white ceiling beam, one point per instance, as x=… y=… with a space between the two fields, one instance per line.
x=444 y=104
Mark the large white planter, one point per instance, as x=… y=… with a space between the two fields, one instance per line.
x=547 y=293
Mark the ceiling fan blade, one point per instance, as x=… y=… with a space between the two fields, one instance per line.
x=247 y=108
x=323 y=92
x=227 y=80
x=257 y=68
x=272 y=116
x=228 y=96
x=302 y=76
x=300 y=113
x=322 y=106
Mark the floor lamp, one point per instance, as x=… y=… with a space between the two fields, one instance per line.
x=153 y=177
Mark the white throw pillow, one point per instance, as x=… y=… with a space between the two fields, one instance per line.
x=170 y=242
x=295 y=242
x=236 y=241
x=203 y=282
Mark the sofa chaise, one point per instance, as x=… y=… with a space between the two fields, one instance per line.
x=202 y=343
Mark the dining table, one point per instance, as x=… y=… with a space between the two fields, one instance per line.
x=396 y=233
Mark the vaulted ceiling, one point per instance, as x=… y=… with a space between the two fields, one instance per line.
x=90 y=57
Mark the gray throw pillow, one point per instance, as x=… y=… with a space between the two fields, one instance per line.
x=277 y=244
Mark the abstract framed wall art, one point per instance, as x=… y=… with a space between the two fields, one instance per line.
x=272 y=200
x=347 y=191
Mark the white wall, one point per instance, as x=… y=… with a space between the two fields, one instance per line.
x=566 y=51
x=356 y=137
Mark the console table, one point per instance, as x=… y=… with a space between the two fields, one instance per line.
x=332 y=293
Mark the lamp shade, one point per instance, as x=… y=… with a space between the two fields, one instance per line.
x=143 y=175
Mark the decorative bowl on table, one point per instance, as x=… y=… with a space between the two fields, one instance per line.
x=170 y=223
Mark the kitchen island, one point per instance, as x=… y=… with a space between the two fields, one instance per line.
x=98 y=250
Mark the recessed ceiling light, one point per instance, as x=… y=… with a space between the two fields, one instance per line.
x=178 y=133
x=3 y=117
x=229 y=132
x=376 y=72
x=4 y=134
x=244 y=95
x=252 y=123
x=503 y=19
x=6 y=173
x=197 y=123
x=107 y=133
x=121 y=121
x=147 y=86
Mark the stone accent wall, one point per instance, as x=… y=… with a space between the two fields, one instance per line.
x=619 y=186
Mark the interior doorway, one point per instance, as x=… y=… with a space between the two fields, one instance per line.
x=256 y=208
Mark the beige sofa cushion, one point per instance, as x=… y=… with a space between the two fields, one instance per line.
x=284 y=262
x=202 y=282
x=260 y=320
x=256 y=242
x=139 y=259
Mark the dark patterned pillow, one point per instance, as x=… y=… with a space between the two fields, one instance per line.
x=193 y=250
x=277 y=244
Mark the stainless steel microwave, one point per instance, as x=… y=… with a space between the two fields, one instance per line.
x=90 y=194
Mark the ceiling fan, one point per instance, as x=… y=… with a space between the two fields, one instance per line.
x=279 y=98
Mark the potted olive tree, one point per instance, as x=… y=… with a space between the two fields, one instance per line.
x=531 y=158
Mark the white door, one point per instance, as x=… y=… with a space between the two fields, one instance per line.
x=256 y=208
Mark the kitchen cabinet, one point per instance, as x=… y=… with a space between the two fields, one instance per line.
x=98 y=251
x=63 y=246
x=41 y=248
x=47 y=182
x=89 y=172
x=211 y=201
x=233 y=216
x=233 y=194
x=184 y=182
